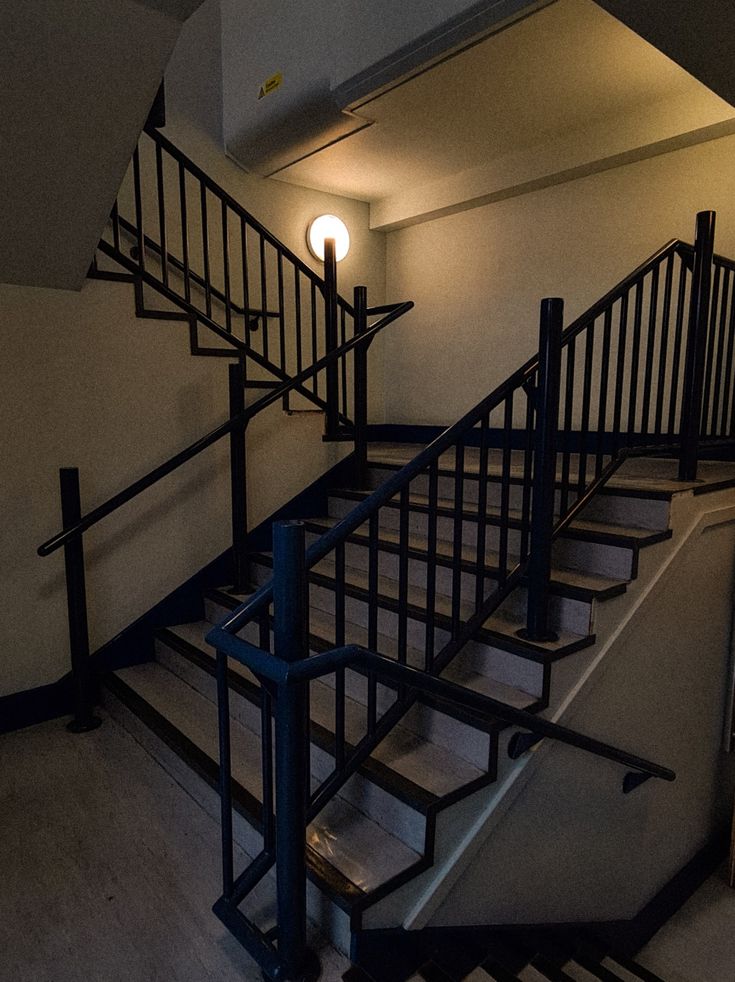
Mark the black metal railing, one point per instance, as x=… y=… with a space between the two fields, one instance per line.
x=181 y=233
x=286 y=675
x=481 y=506
x=321 y=354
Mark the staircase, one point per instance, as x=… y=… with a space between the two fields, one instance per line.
x=361 y=698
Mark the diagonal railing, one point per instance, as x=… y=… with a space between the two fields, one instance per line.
x=320 y=352
x=647 y=369
x=181 y=233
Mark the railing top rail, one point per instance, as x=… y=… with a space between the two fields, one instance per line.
x=323 y=546
x=723 y=261
x=173 y=463
x=317 y=666
x=235 y=205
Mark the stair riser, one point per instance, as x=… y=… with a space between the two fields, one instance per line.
x=626 y=510
x=592 y=557
x=332 y=920
x=376 y=803
x=445 y=488
x=505 y=667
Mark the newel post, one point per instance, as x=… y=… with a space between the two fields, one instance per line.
x=290 y=635
x=330 y=330
x=544 y=470
x=76 y=599
x=699 y=309
x=360 y=383
x=238 y=486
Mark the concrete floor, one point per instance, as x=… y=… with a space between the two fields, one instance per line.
x=109 y=869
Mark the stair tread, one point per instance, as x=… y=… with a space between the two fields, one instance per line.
x=429 y=766
x=580 y=526
x=560 y=575
x=196 y=718
x=502 y=625
x=655 y=475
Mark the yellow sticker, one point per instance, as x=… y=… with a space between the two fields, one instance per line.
x=270 y=85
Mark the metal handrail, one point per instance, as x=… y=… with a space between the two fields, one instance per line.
x=317 y=666
x=134 y=489
x=388 y=489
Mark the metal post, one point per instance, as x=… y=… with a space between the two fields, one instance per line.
x=238 y=480
x=699 y=304
x=76 y=598
x=290 y=603
x=544 y=470
x=360 y=382
x=225 y=773
x=330 y=325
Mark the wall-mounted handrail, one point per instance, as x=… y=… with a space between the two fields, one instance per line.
x=454 y=695
x=194 y=449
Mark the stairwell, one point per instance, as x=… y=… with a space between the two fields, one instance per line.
x=453 y=638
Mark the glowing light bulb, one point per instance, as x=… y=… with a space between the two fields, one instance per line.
x=328 y=227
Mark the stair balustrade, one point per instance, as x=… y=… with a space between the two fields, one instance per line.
x=646 y=370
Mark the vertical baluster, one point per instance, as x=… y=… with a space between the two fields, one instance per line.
x=184 y=232
x=650 y=350
x=482 y=480
x=339 y=640
x=457 y=528
x=226 y=267
x=635 y=360
x=225 y=773
x=604 y=386
x=664 y=346
x=297 y=308
x=431 y=540
x=266 y=749
x=710 y=349
x=699 y=306
x=403 y=577
x=205 y=248
x=264 y=294
x=373 y=556
x=330 y=335
x=729 y=370
x=140 y=235
x=343 y=335
x=115 y=217
x=281 y=314
x=290 y=600
x=238 y=482
x=678 y=342
x=528 y=478
x=161 y=214
x=620 y=372
x=505 y=485
x=361 y=390
x=544 y=470
x=584 y=429
x=245 y=278
x=314 y=342
x=568 y=424
x=719 y=359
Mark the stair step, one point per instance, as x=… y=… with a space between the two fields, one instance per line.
x=564 y=582
x=192 y=721
x=413 y=768
x=500 y=629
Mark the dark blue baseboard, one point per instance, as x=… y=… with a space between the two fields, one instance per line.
x=135 y=643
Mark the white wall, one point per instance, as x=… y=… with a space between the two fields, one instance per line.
x=477 y=276
x=87 y=384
